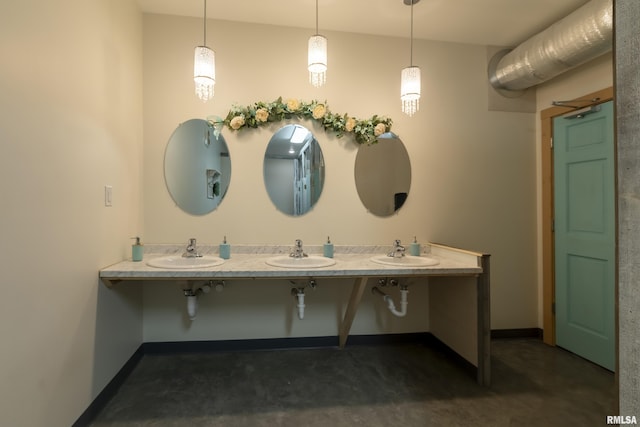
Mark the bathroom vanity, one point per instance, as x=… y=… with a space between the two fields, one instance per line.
x=459 y=285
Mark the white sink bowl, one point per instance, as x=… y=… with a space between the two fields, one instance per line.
x=178 y=262
x=405 y=261
x=306 y=262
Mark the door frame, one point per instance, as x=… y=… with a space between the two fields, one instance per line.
x=548 y=249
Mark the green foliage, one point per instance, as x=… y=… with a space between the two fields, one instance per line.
x=262 y=113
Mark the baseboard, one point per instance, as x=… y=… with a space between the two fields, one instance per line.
x=109 y=391
x=173 y=347
x=516 y=333
x=388 y=339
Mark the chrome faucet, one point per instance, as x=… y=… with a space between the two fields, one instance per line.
x=397 y=251
x=191 y=251
x=297 y=250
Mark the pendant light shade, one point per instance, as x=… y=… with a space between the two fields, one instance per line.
x=317 y=57
x=410 y=90
x=410 y=80
x=204 y=72
x=204 y=66
x=317 y=60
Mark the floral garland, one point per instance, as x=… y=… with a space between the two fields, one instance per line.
x=263 y=113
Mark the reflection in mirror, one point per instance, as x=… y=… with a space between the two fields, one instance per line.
x=197 y=167
x=293 y=170
x=383 y=175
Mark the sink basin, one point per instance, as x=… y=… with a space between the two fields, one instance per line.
x=306 y=262
x=178 y=262
x=405 y=261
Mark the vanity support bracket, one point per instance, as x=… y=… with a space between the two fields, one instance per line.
x=110 y=283
x=350 y=314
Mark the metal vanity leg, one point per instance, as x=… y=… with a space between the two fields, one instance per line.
x=484 y=323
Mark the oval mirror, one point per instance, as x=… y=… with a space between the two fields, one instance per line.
x=293 y=170
x=383 y=175
x=197 y=167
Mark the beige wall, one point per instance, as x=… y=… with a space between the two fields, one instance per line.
x=473 y=171
x=70 y=109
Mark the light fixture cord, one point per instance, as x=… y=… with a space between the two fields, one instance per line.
x=205 y=23
x=316 y=17
x=411 y=43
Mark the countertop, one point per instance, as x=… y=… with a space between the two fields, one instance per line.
x=248 y=261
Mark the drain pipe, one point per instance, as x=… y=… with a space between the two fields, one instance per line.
x=390 y=305
x=299 y=294
x=576 y=39
x=192 y=306
x=192 y=296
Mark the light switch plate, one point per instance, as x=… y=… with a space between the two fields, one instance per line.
x=108 y=193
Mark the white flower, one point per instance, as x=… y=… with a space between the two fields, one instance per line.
x=293 y=105
x=262 y=114
x=379 y=129
x=350 y=124
x=319 y=111
x=237 y=122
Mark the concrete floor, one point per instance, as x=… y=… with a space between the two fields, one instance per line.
x=393 y=385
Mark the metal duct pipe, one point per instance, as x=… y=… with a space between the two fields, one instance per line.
x=579 y=37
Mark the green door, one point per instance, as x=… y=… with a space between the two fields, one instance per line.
x=584 y=200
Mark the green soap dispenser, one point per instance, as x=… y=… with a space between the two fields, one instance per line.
x=414 y=249
x=137 y=250
x=225 y=249
x=327 y=249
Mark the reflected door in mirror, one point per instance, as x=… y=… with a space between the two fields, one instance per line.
x=197 y=167
x=293 y=170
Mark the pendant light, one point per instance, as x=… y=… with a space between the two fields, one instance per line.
x=317 y=57
x=204 y=66
x=410 y=79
